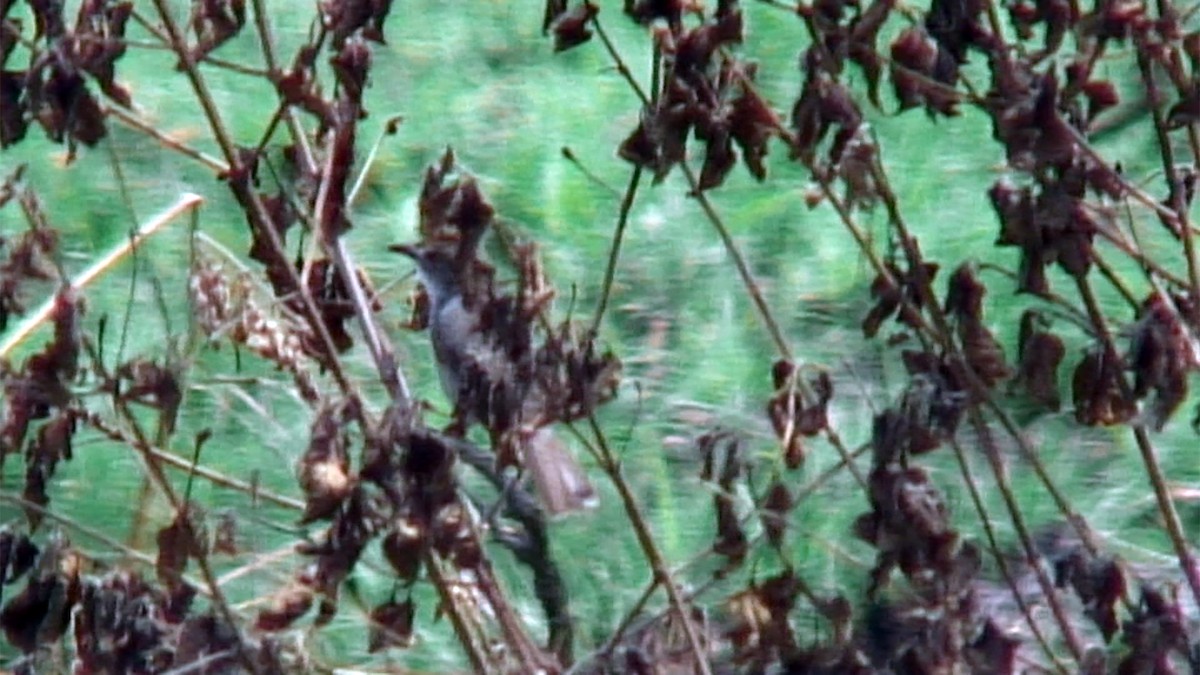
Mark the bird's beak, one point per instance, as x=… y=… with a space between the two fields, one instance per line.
x=411 y=250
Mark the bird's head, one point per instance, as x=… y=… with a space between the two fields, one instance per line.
x=436 y=268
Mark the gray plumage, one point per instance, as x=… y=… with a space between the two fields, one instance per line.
x=461 y=343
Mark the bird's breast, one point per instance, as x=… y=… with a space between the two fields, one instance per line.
x=454 y=332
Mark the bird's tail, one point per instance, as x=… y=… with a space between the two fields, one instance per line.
x=560 y=481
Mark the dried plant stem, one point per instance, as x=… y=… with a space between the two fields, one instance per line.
x=1162 y=494
x=379 y=346
x=618 y=61
x=154 y=30
x=847 y=458
x=662 y=574
x=997 y=25
x=631 y=615
x=136 y=123
x=533 y=549
x=1176 y=196
x=865 y=246
x=50 y=514
x=801 y=495
x=266 y=40
x=940 y=331
x=217 y=478
x=531 y=658
x=389 y=128
x=476 y=653
x=1058 y=305
x=141 y=513
x=181 y=509
x=258 y=211
x=569 y=155
x=614 y=252
x=1166 y=507
x=258 y=562
x=943 y=335
x=634 y=178
x=203 y=96
x=1004 y=487
x=186 y=202
x=764 y=311
x=1117 y=282
x=164 y=428
x=1139 y=195
x=1187 y=232
x=788 y=7
x=1001 y=563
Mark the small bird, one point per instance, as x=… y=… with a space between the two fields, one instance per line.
x=461 y=342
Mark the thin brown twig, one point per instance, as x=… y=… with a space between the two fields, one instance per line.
x=694 y=594
x=258 y=209
x=476 y=653
x=943 y=335
x=1058 y=304
x=183 y=510
x=1001 y=561
x=618 y=61
x=662 y=573
x=1162 y=493
x=533 y=550
x=1176 y=194
x=186 y=202
x=569 y=155
x=71 y=523
x=614 y=252
x=798 y=499
x=631 y=615
x=382 y=352
x=217 y=478
x=532 y=659
x=1116 y=281
x=266 y=40
x=731 y=248
x=165 y=43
